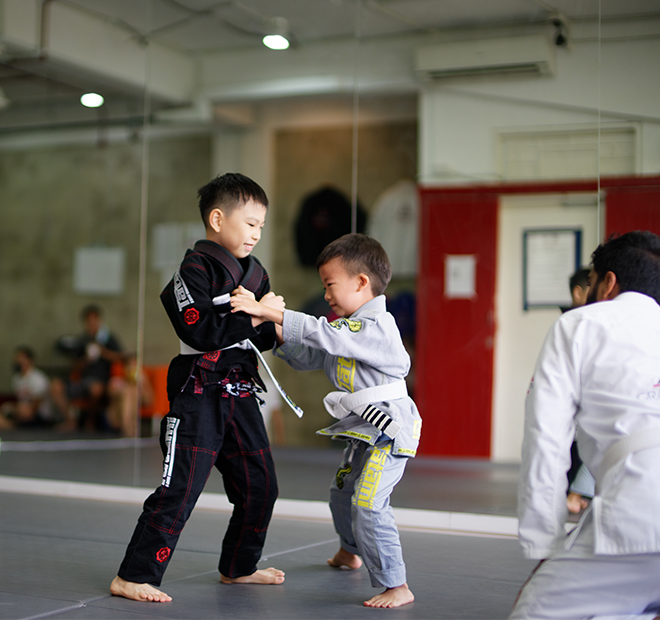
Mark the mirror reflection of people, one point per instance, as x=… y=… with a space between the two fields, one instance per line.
x=599 y=368
x=95 y=351
x=30 y=388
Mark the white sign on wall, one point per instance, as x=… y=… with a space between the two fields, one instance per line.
x=99 y=270
x=460 y=276
x=170 y=241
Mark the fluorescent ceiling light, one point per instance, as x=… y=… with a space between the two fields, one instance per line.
x=278 y=33
x=275 y=42
x=91 y=100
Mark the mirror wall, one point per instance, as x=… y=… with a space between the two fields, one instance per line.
x=371 y=96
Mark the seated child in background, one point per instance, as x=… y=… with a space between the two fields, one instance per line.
x=363 y=356
x=123 y=387
x=30 y=405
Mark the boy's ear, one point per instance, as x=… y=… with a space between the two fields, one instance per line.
x=363 y=281
x=216 y=218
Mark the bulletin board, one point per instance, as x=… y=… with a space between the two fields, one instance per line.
x=550 y=258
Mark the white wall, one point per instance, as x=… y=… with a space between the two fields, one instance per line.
x=460 y=120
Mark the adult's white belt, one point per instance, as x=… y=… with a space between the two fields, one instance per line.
x=642 y=440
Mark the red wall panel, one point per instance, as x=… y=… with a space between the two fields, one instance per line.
x=454 y=352
x=632 y=208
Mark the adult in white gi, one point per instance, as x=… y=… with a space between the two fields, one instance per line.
x=600 y=369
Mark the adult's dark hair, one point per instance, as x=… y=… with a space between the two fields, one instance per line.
x=360 y=254
x=634 y=258
x=579 y=278
x=228 y=192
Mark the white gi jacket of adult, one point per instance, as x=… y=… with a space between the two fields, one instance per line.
x=599 y=367
x=362 y=351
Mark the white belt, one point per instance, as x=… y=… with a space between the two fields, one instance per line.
x=636 y=442
x=184 y=349
x=247 y=345
x=341 y=404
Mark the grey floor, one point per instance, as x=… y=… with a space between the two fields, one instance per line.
x=58 y=555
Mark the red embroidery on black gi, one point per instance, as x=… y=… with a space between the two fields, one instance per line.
x=163 y=554
x=191 y=316
x=212 y=356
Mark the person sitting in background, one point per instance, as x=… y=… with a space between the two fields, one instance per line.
x=126 y=388
x=579 y=285
x=30 y=387
x=95 y=352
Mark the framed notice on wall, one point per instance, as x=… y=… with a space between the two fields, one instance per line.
x=550 y=258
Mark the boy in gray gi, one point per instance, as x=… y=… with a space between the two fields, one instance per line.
x=363 y=356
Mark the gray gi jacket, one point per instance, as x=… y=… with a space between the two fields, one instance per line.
x=362 y=351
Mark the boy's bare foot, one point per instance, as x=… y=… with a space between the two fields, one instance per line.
x=267 y=576
x=392 y=597
x=346 y=560
x=138 y=591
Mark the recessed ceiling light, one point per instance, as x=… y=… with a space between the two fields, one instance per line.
x=91 y=100
x=275 y=42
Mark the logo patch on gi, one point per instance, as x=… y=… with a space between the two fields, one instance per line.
x=191 y=316
x=163 y=553
x=212 y=356
x=181 y=292
x=353 y=325
x=342 y=472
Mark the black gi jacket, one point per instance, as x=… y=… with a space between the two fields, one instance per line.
x=210 y=272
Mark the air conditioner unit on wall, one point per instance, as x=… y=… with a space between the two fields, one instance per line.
x=531 y=55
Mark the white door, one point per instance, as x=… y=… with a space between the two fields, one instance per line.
x=521 y=333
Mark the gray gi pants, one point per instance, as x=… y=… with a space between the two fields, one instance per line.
x=361 y=511
x=574 y=583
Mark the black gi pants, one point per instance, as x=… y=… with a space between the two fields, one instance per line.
x=203 y=430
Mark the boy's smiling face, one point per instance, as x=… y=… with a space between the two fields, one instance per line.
x=345 y=293
x=239 y=231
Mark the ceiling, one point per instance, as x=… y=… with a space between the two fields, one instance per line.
x=45 y=92
x=205 y=25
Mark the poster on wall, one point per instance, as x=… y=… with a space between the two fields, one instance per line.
x=99 y=270
x=460 y=276
x=169 y=242
x=550 y=258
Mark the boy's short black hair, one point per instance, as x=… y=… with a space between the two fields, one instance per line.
x=228 y=192
x=360 y=254
x=634 y=258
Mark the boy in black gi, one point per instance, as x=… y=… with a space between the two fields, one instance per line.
x=214 y=417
